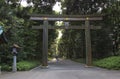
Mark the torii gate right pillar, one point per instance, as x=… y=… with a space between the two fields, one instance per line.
x=88 y=43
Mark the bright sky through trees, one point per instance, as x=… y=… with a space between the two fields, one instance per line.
x=25 y=4
x=57 y=8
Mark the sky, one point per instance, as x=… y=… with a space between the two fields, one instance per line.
x=25 y=4
x=56 y=7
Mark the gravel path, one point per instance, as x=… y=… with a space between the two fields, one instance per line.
x=64 y=69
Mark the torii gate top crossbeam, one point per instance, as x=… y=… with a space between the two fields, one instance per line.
x=66 y=17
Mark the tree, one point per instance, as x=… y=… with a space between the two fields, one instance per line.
x=16 y=18
x=101 y=43
x=85 y=6
x=113 y=23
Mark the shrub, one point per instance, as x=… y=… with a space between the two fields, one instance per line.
x=109 y=63
x=6 y=67
x=21 y=66
x=26 y=65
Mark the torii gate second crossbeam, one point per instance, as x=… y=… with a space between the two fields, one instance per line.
x=87 y=27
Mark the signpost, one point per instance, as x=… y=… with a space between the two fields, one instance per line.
x=87 y=27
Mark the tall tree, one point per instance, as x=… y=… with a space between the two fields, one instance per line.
x=81 y=7
x=85 y=6
x=113 y=23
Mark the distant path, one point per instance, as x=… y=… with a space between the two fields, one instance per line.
x=64 y=69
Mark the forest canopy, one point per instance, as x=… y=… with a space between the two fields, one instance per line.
x=17 y=27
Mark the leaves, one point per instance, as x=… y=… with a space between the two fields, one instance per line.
x=15 y=20
x=109 y=63
x=26 y=65
x=85 y=6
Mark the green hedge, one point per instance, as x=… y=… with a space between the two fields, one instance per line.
x=6 y=67
x=26 y=65
x=21 y=66
x=109 y=63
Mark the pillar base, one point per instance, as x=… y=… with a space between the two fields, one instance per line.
x=87 y=66
x=44 y=67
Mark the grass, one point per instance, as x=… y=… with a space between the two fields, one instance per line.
x=26 y=65
x=108 y=63
x=5 y=67
x=21 y=66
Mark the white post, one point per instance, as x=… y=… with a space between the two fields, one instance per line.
x=14 y=63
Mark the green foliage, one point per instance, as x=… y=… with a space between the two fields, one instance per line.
x=5 y=67
x=109 y=63
x=21 y=66
x=84 y=6
x=15 y=20
x=101 y=44
x=72 y=45
x=112 y=22
x=26 y=65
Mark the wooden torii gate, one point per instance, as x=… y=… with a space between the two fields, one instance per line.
x=46 y=26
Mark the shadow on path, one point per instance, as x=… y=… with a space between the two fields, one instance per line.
x=64 y=69
x=66 y=65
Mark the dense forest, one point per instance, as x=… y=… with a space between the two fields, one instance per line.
x=15 y=20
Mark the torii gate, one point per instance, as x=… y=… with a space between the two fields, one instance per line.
x=46 y=26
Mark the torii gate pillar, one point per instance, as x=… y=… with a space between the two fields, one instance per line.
x=45 y=44
x=88 y=44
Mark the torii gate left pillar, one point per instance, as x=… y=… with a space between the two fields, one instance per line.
x=45 y=44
